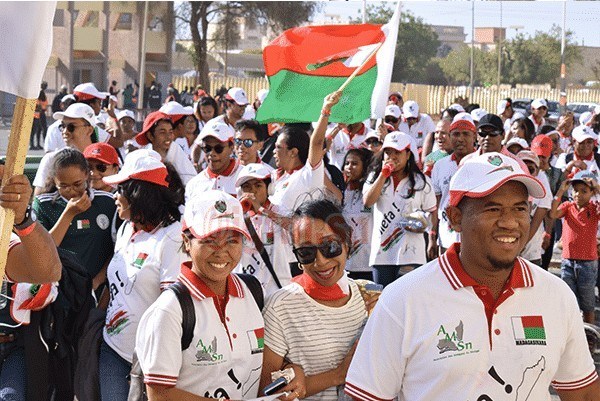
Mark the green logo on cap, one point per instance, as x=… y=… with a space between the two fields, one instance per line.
x=495 y=160
x=220 y=206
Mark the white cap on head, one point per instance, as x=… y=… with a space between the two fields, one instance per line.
x=537 y=103
x=585 y=118
x=143 y=165
x=252 y=171
x=125 y=113
x=477 y=114
x=238 y=95
x=528 y=155
x=218 y=129
x=400 y=141
x=517 y=116
x=410 y=109
x=77 y=110
x=88 y=91
x=457 y=107
x=68 y=97
x=393 y=110
x=583 y=132
x=517 y=141
x=501 y=106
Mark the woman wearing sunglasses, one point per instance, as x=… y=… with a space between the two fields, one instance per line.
x=78 y=217
x=147 y=258
x=103 y=161
x=248 y=142
x=313 y=323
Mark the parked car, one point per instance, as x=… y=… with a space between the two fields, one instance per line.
x=522 y=106
x=553 y=112
x=578 y=108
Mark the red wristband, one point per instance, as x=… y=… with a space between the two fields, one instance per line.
x=325 y=112
x=26 y=231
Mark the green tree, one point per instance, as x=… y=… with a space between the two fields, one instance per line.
x=457 y=66
x=194 y=17
x=417 y=43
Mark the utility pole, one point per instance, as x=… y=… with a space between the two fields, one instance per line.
x=472 y=49
x=142 y=81
x=563 y=67
x=364 y=12
x=500 y=38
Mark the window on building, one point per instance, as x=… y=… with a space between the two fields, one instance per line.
x=124 y=22
x=82 y=75
x=59 y=18
x=91 y=19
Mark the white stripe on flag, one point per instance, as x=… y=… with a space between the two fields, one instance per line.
x=358 y=58
x=25 y=45
x=518 y=331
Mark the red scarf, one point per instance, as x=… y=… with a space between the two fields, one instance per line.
x=320 y=292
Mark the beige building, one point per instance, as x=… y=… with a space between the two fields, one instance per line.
x=101 y=42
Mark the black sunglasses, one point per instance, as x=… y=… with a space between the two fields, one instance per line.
x=486 y=133
x=217 y=148
x=307 y=254
x=70 y=127
x=246 y=142
x=391 y=119
x=373 y=141
x=100 y=167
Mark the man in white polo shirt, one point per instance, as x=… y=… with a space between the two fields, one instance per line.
x=539 y=108
x=478 y=323
x=415 y=124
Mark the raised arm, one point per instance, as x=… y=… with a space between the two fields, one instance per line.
x=315 y=150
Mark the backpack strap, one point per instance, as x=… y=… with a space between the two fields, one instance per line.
x=260 y=247
x=189 y=314
x=254 y=287
x=569 y=158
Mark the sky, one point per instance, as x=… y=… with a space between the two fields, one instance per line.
x=583 y=17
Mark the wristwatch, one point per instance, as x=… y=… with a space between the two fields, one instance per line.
x=28 y=220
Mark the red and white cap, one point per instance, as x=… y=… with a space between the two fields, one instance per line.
x=542 y=145
x=463 y=122
x=483 y=174
x=537 y=103
x=141 y=164
x=88 y=91
x=103 y=152
x=478 y=114
x=410 y=109
x=149 y=122
x=252 y=171
x=238 y=95
x=176 y=111
x=218 y=129
x=528 y=155
x=125 y=113
x=77 y=110
x=400 y=141
x=393 y=110
x=583 y=132
x=213 y=212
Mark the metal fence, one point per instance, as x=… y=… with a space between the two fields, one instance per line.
x=431 y=99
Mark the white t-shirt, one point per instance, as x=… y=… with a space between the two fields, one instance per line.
x=342 y=143
x=442 y=172
x=207 y=180
x=533 y=250
x=419 y=130
x=391 y=244
x=429 y=339
x=182 y=163
x=54 y=140
x=183 y=143
x=360 y=218
x=224 y=358
x=143 y=264
x=290 y=190
x=312 y=335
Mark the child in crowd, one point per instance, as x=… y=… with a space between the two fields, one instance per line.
x=580 y=255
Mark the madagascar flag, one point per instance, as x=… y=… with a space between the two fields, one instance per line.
x=528 y=328
x=305 y=64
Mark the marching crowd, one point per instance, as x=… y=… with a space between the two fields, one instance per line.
x=222 y=254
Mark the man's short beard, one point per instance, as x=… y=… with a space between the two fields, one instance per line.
x=502 y=265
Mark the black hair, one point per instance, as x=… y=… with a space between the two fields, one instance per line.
x=472 y=107
x=66 y=157
x=365 y=156
x=411 y=169
x=529 y=129
x=206 y=101
x=328 y=212
x=297 y=138
x=450 y=112
x=153 y=127
x=259 y=129
x=544 y=129
x=153 y=204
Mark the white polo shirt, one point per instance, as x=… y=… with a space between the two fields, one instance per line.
x=533 y=250
x=224 y=358
x=290 y=189
x=144 y=263
x=277 y=243
x=419 y=130
x=442 y=173
x=343 y=142
x=436 y=334
x=207 y=180
x=360 y=218
x=391 y=244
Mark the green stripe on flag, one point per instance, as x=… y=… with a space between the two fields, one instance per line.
x=295 y=97
x=261 y=342
x=534 y=333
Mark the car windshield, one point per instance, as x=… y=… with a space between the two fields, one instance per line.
x=553 y=107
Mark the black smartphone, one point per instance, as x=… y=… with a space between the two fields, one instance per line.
x=275 y=386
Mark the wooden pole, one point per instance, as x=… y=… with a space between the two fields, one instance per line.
x=18 y=144
x=355 y=73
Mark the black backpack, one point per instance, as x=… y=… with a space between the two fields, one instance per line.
x=137 y=389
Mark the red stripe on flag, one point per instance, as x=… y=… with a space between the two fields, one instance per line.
x=532 y=321
x=259 y=333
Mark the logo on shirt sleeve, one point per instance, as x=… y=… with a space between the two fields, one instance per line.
x=257 y=340
x=528 y=330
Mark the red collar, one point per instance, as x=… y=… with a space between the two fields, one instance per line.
x=536 y=121
x=200 y=291
x=457 y=277
x=266 y=205
x=361 y=131
x=281 y=172
x=226 y=173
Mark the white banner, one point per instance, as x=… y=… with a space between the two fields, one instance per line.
x=25 y=45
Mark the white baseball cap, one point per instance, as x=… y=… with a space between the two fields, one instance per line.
x=477 y=114
x=238 y=95
x=213 y=212
x=585 y=118
x=483 y=174
x=517 y=141
x=252 y=171
x=400 y=141
x=528 y=155
x=463 y=121
x=218 y=129
x=457 y=107
x=393 y=110
x=114 y=98
x=176 y=111
x=77 y=110
x=141 y=164
x=125 y=113
x=68 y=97
x=517 y=116
x=583 y=132
x=410 y=109
x=262 y=95
x=537 y=103
x=88 y=91
x=502 y=105
x=101 y=118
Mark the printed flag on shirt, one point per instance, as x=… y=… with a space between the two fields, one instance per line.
x=25 y=45
x=307 y=63
x=529 y=330
x=257 y=340
x=83 y=224
x=139 y=261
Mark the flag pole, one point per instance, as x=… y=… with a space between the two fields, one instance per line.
x=355 y=73
x=16 y=153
